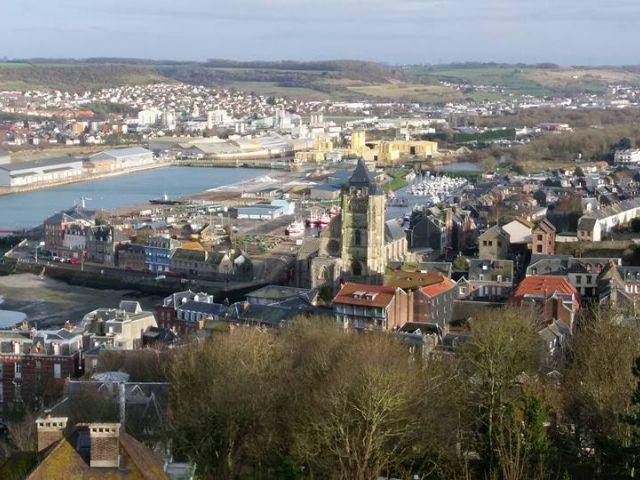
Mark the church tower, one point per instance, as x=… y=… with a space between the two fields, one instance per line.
x=363 y=257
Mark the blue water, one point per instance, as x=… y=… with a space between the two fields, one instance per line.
x=26 y=210
x=459 y=167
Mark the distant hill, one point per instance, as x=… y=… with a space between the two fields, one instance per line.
x=337 y=79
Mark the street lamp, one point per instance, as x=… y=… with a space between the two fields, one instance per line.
x=39 y=246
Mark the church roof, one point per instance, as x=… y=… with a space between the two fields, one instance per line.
x=362 y=177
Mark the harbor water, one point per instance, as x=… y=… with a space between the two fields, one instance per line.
x=27 y=210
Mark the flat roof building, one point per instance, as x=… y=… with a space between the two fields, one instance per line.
x=48 y=170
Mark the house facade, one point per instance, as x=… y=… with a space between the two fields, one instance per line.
x=494 y=244
x=371 y=307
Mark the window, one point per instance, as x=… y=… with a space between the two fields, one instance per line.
x=538 y=248
x=57 y=370
x=539 y=238
x=578 y=279
x=357 y=240
x=589 y=277
x=357 y=268
x=481 y=277
x=17 y=370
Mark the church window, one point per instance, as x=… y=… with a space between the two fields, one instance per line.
x=357 y=238
x=322 y=275
x=357 y=268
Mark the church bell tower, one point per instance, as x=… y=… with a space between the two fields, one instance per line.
x=363 y=258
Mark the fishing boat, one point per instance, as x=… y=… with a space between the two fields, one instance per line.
x=294 y=229
x=324 y=220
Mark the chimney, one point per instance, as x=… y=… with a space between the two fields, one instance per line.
x=50 y=430
x=105 y=445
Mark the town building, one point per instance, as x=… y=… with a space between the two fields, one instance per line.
x=56 y=226
x=119 y=159
x=372 y=307
x=553 y=297
x=132 y=257
x=597 y=223
x=519 y=231
x=102 y=244
x=627 y=157
x=487 y=280
x=543 y=238
x=185 y=312
x=45 y=171
x=494 y=244
x=260 y=212
x=583 y=273
x=619 y=286
x=30 y=360
x=443 y=229
x=93 y=450
x=158 y=251
x=281 y=295
x=433 y=303
x=119 y=328
x=74 y=240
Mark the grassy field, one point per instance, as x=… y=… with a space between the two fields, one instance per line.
x=410 y=91
x=534 y=80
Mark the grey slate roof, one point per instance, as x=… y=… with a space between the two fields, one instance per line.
x=393 y=231
x=586 y=223
x=215 y=309
x=45 y=162
x=362 y=178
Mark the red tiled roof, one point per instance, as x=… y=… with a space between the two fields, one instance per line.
x=544 y=285
x=436 y=289
x=365 y=295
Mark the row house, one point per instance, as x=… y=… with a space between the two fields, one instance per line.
x=132 y=257
x=583 y=273
x=74 y=240
x=596 y=224
x=56 y=225
x=158 y=252
x=30 y=360
x=103 y=242
x=487 y=280
x=182 y=312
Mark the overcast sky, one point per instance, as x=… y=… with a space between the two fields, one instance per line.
x=567 y=32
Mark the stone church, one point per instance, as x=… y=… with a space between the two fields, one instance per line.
x=358 y=243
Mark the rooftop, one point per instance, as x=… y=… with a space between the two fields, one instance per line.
x=544 y=285
x=365 y=295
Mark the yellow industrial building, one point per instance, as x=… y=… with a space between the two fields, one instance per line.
x=386 y=152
